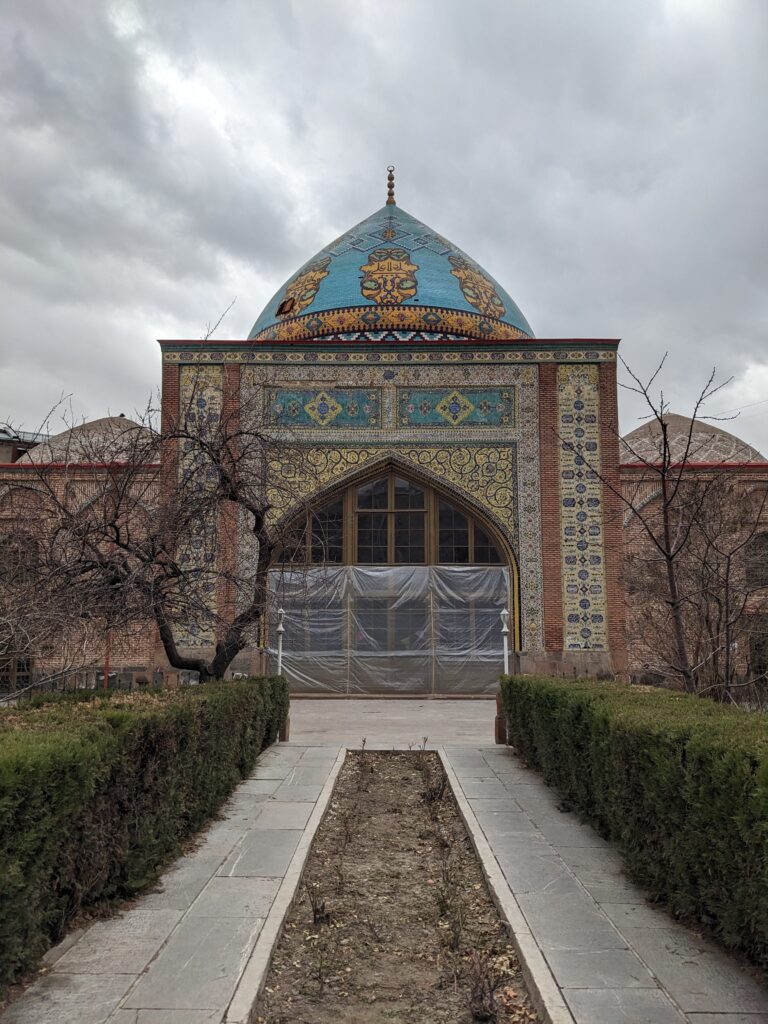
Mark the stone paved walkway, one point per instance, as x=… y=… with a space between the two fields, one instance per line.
x=178 y=955
x=614 y=957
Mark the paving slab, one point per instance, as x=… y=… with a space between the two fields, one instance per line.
x=233 y=896
x=635 y=915
x=264 y=854
x=307 y=793
x=536 y=870
x=604 y=968
x=483 y=788
x=465 y=723
x=200 y=968
x=69 y=999
x=622 y=1006
x=613 y=956
x=242 y=809
x=698 y=976
x=569 y=921
x=120 y=946
x=284 y=814
x=182 y=884
x=728 y=1018
x=306 y=773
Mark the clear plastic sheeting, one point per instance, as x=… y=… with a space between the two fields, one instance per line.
x=399 y=629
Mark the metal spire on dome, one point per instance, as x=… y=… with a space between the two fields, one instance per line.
x=391 y=186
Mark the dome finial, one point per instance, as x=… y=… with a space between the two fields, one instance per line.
x=391 y=186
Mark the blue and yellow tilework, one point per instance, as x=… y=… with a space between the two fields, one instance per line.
x=391 y=273
x=321 y=407
x=581 y=509
x=436 y=407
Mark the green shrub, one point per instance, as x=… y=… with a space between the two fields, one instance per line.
x=96 y=796
x=678 y=782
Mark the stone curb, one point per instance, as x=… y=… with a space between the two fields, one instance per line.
x=543 y=989
x=253 y=977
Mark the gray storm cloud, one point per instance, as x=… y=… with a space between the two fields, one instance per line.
x=606 y=162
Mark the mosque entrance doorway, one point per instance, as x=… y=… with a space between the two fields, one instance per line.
x=391 y=587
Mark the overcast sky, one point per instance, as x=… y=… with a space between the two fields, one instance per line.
x=606 y=161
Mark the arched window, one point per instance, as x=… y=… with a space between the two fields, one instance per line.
x=390 y=520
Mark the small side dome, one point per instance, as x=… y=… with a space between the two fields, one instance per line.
x=391 y=278
x=110 y=439
x=708 y=443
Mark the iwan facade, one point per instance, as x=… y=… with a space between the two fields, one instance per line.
x=460 y=466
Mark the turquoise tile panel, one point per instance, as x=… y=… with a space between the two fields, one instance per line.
x=470 y=407
x=324 y=407
x=391 y=273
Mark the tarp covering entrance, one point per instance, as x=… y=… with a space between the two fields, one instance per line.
x=399 y=629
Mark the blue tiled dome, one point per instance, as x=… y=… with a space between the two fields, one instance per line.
x=390 y=278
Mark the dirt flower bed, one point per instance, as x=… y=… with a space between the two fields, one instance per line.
x=394 y=921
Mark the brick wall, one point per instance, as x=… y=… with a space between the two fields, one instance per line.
x=613 y=508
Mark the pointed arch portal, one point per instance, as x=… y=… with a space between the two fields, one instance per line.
x=391 y=585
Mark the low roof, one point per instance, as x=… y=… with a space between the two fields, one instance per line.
x=110 y=439
x=709 y=443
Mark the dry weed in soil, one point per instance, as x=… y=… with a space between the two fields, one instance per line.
x=393 y=921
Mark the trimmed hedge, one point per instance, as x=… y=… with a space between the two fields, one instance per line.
x=96 y=797
x=678 y=782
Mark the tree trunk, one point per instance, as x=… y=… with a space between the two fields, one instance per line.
x=675 y=603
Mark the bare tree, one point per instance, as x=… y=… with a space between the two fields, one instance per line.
x=689 y=530
x=176 y=528
x=667 y=521
x=719 y=594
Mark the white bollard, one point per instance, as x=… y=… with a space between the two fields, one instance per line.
x=505 y=637
x=280 y=631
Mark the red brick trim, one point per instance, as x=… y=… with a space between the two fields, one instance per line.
x=613 y=512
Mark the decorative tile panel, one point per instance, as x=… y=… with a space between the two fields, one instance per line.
x=494 y=467
x=200 y=405
x=433 y=407
x=391 y=273
x=321 y=407
x=581 y=509
x=386 y=347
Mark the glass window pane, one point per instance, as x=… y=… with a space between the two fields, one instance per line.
x=371 y=624
x=374 y=494
x=408 y=495
x=328 y=533
x=453 y=535
x=410 y=626
x=318 y=627
x=486 y=552
x=371 y=537
x=409 y=538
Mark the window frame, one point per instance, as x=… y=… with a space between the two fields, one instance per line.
x=11 y=668
x=433 y=495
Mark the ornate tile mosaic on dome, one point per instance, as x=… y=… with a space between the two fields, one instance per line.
x=391 y=273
